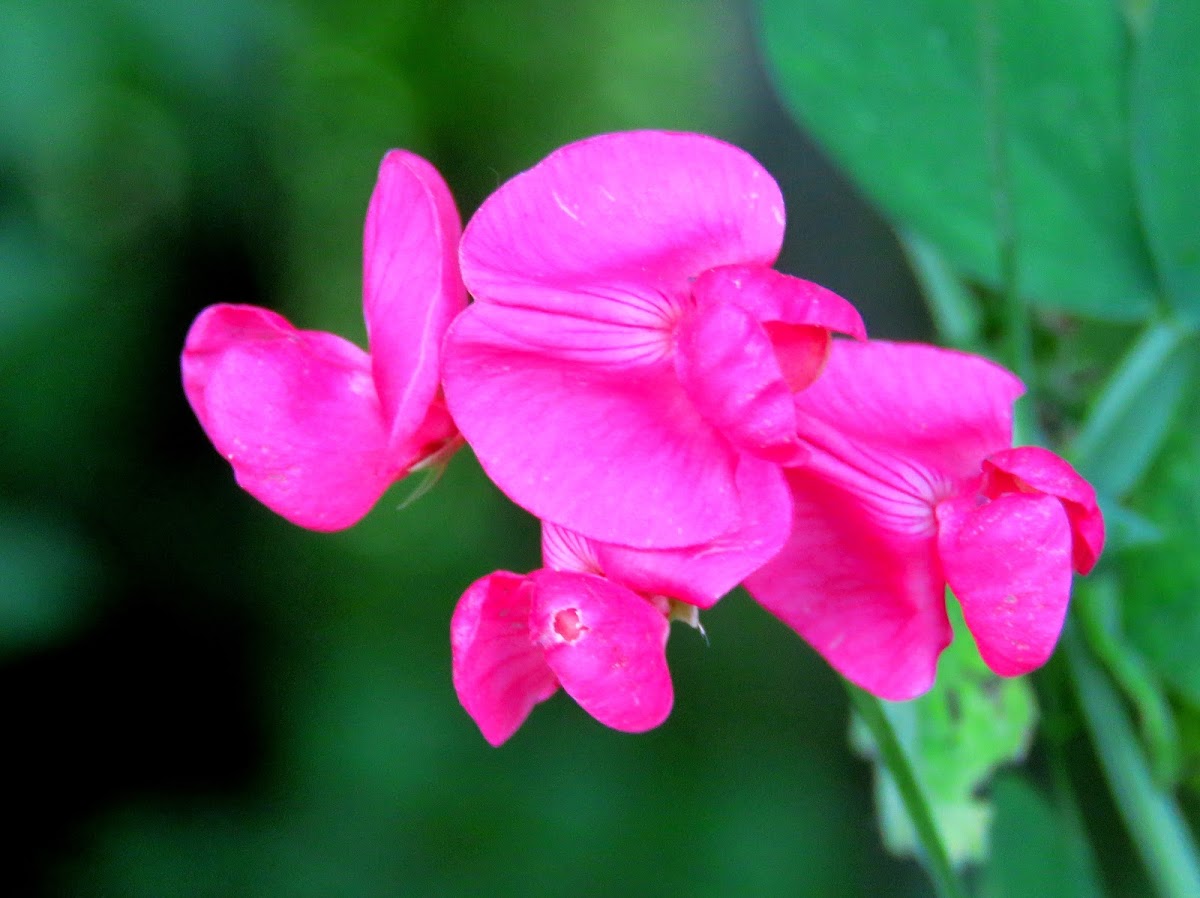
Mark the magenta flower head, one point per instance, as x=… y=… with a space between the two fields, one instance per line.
x=595 y=621
x=315 y=428
x=910 y=486
x=631 y=349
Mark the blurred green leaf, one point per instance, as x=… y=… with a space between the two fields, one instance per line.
x=1133 y=413
x=47 y=580
x=1188 y=720
x=956 y=736
x=37 y=284
x=1161 y=583
x=893 y=92
x=1166 y=132
x=955 y=311
x=1124 y=528
x=1096 y=607
x=1152 y=816
x=1036 y=847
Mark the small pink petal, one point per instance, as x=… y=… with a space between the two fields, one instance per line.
x=499 y=672
x=700 y=575
x=798 y=316
x=615 y=453
x=295 y=412
x=1034 y=468
x=729 y=370
x=906 y=414
x=802 y=351
x=1009 y=564
x=770 y=295
x=651 y=208
x=607 y=647
x=870 y=598
x=411 y=287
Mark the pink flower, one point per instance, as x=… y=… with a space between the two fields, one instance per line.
x=315 y=428
x=595 y=620
x=911 y=486
x=630 y=349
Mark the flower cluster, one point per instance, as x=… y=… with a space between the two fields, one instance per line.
x=681 y=417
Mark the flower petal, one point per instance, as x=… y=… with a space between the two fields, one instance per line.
x=1009 y=564
x=1032 y=467
x=411 y=286
x=700 y=575
x=870 y=599
x=905 y=413
x=607 y=647
x=566 y=550
x=295 y=412
x=644 y=207
x=499 y=672
x=729 y=370
x=796 y=315
x=770 y=295
x=617 y=454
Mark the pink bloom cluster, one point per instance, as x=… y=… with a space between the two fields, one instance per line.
x=634 y=372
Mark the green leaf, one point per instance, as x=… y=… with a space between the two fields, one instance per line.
x=1096 y=609
x=1166 y=132
x=1036 y=847
x=956 y=314
x=956 y=736
x=893 y=93
x=1152 y=816
x=1133 y=413
x=1161 y=583
x=1126 y=529
x=49 y=573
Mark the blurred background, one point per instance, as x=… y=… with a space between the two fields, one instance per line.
x=203 y=700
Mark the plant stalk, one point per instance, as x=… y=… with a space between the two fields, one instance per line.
x=937 y=860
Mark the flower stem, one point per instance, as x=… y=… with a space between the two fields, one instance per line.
x=1095 y=608
x=1017 y=330
x=954 y=310
x=937 y=861
x=1151 y=815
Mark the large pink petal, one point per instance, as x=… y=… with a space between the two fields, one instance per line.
x=609 y=326
x=411 y=286
x=499 y=672
x=616 y=453
x=869 y=598
x=647 y=208
x=1009 y=563
x=295 y=412
x=729 y=370
x=904 y=414
x=1034 y=468
x=606 y=645
x=700 y=575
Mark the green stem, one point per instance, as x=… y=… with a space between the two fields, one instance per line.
x=1151 y=816
x=954 y=310
x=870 y=710
x=1141 y=365
x=1095 y=608
x=1017 y=330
